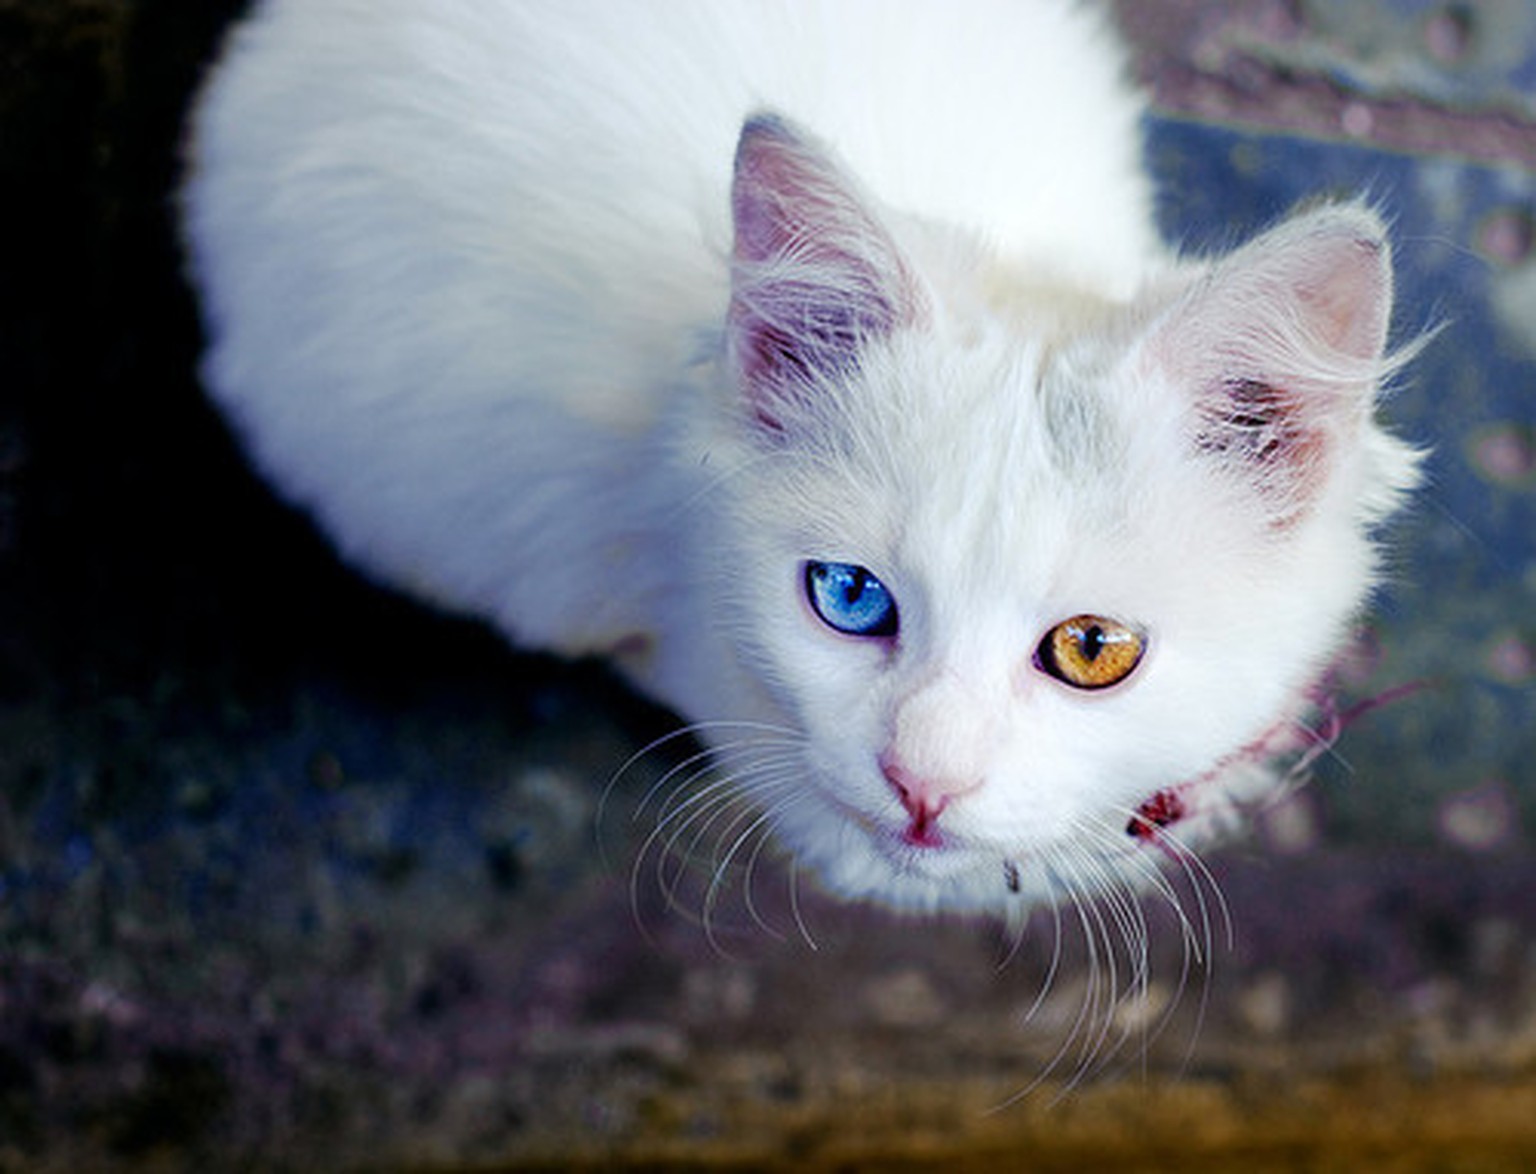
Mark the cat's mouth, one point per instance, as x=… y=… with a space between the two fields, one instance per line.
x=922 y=830
x=924 y=848
x=914 y=844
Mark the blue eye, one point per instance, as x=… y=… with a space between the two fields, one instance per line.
x=849 y=599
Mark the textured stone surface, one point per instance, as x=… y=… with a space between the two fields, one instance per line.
x=295 y=875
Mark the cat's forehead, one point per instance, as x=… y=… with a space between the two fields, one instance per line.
x=975 y=461
x=996 y=424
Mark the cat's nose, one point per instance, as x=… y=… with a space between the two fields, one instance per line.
x=924 y=798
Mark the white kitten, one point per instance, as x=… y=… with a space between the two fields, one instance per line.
x=820 y=363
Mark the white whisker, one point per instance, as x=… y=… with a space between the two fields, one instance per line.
x=1198 y=950
x=1079 y=1037
x=1106 y=879
x=1054 y=967
x=712 y=816
x=758 y=824
x=797 y=912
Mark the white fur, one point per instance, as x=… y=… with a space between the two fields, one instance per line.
x=466 y=270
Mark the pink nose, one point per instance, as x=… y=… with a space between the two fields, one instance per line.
x=923 y=798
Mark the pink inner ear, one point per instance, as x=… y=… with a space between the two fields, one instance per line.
x=1349 y=297
x=815 y=276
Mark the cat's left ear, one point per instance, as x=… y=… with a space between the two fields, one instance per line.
x=1280 y=348
x=815 y=276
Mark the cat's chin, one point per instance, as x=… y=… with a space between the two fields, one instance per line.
x=931 y=881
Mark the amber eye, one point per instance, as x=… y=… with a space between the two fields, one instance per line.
x=1090 y=652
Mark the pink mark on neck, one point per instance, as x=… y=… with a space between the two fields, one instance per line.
x=1164 y=808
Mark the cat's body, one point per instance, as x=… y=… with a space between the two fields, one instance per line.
x=486 y=294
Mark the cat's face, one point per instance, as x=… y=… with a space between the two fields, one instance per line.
x=1032 y=628
x=1032 y=603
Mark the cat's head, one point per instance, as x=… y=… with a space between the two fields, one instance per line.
x=1039 y=579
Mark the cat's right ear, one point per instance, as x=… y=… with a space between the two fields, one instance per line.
x=814 y=276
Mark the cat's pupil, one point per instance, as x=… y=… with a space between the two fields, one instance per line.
x=1091 y=643
x=857 y=582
